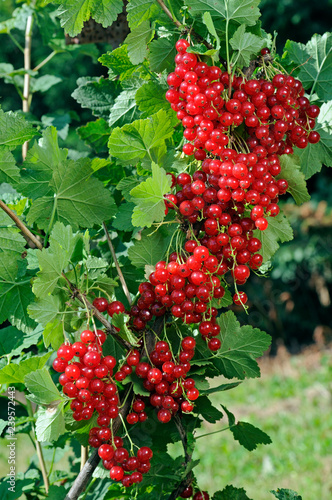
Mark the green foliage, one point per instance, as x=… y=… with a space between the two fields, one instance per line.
x=315 y=155
x=149 y=198
x=42 y=388
x=279 y=230
x=239 y=12
x=245 y=45
x=137 y=41
x=230 y=493
x=15 y=373
x=313 y=63
x=291 y=171
x=240 y=345
x=283 y=494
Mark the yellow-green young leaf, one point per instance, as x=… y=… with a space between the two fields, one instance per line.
x=149 y=198
x=53 y=334
x=238 y=11
x=278 y=231
x=239 y=348
x=313 y=63
x=73 y=13
x=207 y=20
x=50 y=423
x=118 y=62
x=121 y=321
x=42 y=387
x=140 y=139
x=291 y=171
x=148 y=250
x=15 y=373
x=245 y=45
x=14 y=130
x=315 y=155
x=137 y=41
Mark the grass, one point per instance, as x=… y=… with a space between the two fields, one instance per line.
x=292 y=403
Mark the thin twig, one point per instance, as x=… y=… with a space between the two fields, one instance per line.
x=27 y=67
x=168 y=12
x=20 y=225
x=45 y=61
x=109 y=328
x=118 y=268
x=39 y=450
x=186 y=481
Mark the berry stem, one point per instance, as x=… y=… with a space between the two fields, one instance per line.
x=39 y=450
x=27 y=233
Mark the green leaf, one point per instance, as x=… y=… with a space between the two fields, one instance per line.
x=124 y=109
x=137 y=42
x=126 y=185
x=219 y=388
x=161 y=54
x=97 y=95
x=141 y=10
x=204 y=407
x=14 y=130
x=122 y=220
x=53 y=334
x=118 y=62
x=149 y=198
x=141 y=139
x=239 y=348
x=15 y=373
x=95 y=133
x=73 y=13
x=15 y=293
x=150 y=98
x=50 y=423
x=59 y=121
x=291 y=171
x=285 y=494
x=44 y=83
x=231 y=493
x=41 y=385
x=201 y=50
x=207 y=20
x=80 y=200
x=106 y=284
x=314 y=63
x=245 y=44
x=42 y=159
x=278 y=230
x=13 y=341
x=47 y=309
x=121 y=321
x=314 y=155
x=148 y=250
x=249 y=436
x=9 y=172
x=10 y=237
x=238 y=11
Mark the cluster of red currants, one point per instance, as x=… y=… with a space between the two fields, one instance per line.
x=275 y=113
x=86 y=377
x=165 y=378
x=200 y=495
x=123 y=467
